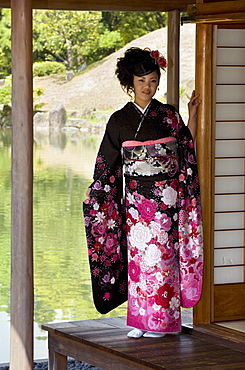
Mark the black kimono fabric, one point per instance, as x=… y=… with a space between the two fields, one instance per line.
x=155 y=226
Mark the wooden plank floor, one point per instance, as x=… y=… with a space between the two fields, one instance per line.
x=103 y=343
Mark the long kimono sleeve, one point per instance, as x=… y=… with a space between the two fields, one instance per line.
x=190 y=222
x=104 y=225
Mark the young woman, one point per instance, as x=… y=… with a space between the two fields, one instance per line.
x=145 y=241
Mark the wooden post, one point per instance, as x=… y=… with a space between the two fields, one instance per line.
x=173 y=58
x=205 y=142
x=22 y=300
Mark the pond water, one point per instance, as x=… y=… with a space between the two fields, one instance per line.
x=63 y=166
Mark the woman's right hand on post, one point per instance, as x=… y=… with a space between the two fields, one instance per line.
x=88 y=193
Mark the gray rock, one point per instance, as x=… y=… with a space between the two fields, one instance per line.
x=57 y=117
x=76 y=122
x=88 y=112
x=69 y=75
x=40 y=119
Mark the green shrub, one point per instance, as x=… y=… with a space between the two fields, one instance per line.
x=5 y=94
x=47 y=68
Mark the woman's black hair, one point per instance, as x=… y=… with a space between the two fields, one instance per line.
x=135 y=62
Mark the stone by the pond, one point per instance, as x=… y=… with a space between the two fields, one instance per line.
x=40 y=119
x=57 y=117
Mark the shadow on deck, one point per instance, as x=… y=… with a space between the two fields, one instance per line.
x=103 y=343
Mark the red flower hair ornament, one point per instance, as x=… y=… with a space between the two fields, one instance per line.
x=159 y=59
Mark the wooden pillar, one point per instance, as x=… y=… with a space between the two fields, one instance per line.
x=205 y=142
x=22 y=300
x=173 y=58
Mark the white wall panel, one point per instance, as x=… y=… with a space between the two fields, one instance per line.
x=227 y=112
x=228 y=37
x=235 y=93
x=229 y=166
x=232 y=256
x=229 y=220
x=230 y=75
x=230 y=56
x=233 y=202
x=229 y=148
x=229 y=238
x=234 y=184
x=230 y=130
x=226 y=275
x=230 y=124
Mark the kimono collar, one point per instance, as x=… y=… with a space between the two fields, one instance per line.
x=142 y=110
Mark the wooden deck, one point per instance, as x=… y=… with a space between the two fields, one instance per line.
x=103 y=343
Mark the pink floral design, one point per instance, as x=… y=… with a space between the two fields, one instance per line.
x=134 y=271
x=164 y=295
x=107 y=296
x=164 y=250
x=157 y=321
x=147 y=209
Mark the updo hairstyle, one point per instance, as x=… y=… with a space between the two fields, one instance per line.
x=135 y=62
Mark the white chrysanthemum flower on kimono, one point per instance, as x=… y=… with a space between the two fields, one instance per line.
x=96 y=206
x=198 y=251
x=159 y=276
x=100 y=216
x=152 y=255
x=139 y=236
x=130 y=198
x=175 y=217
x=176 y=314
x=169 y=196
x=142 y=311
x=107 y=188
x=158 y=215
x=155 y=228
x=162 y=237
x=134 y=213
x=156 y=307
x=111 y=224
x=101 y=240
x=142 y=284
x=193 y=215
x=133 y=289
x=174 y=303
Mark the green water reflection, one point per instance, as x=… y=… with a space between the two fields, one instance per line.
x=62 y=171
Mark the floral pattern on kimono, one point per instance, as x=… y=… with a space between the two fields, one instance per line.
x=105 y=232
x=162 y=221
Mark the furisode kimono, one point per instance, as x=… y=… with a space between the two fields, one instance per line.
x=145 y=236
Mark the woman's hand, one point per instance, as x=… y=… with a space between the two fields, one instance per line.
x=88 y=193
x=192 y=108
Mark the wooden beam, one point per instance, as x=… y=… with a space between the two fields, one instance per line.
x=221 y=18
x=205 y=127
x=173 y=58
x=22 y=300
x=223 y=7
x=107 y=5
x=218 y=12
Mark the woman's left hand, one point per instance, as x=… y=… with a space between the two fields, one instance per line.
x=192 y=108
x=193 y=104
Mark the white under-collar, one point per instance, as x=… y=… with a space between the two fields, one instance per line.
x=141 y=109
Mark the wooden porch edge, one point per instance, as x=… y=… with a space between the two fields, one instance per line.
x=224 y=336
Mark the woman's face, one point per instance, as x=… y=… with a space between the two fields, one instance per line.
x=145 y=88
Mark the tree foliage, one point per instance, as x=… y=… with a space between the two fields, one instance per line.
x=5 y=42
x=77 y=38
x=65 y=36
x=131 y=25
